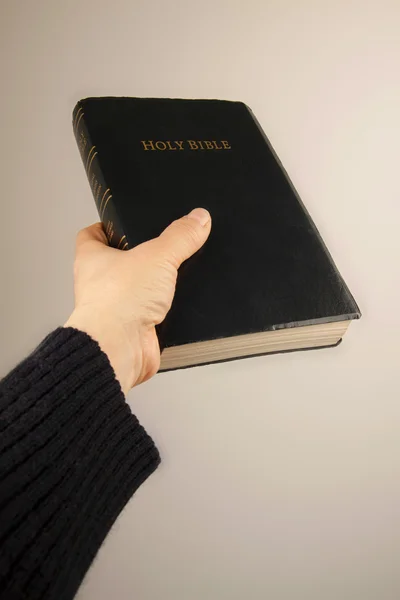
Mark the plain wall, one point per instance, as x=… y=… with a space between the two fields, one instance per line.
x=280 y=475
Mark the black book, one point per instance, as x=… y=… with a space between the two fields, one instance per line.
x=265 y=281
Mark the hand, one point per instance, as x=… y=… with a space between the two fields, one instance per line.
x=121 y=296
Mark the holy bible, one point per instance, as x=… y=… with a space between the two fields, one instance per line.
x=264 y=282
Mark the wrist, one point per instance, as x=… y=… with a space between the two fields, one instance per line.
x=113 y=340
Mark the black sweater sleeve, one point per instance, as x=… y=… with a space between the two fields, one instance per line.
x=71 y=456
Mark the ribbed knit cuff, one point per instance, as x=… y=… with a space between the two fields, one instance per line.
x=71 y=456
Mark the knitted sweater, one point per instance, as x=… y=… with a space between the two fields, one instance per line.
x=71 y=456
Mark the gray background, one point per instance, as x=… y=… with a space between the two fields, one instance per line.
x=281 y=475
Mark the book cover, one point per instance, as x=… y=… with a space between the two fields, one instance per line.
x=264 y=267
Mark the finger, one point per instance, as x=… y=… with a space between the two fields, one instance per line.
x=185 y=236
x=93 y=233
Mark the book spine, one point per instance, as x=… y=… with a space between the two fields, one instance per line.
x=102 y=193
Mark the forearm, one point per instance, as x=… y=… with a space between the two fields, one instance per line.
x=71 y=455
x=122 y=350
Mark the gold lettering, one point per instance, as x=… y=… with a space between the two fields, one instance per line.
x=147 y=144
x=178 y=145
x=110 y=231
x=82 y=143
x=99 y=188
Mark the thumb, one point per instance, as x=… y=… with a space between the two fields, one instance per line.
x=94 y=233
x=186 y=236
